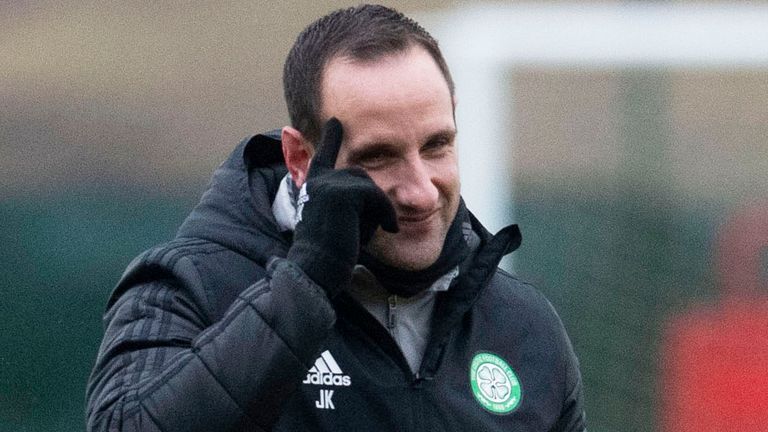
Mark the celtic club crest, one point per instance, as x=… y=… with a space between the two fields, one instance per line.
x=494 y=384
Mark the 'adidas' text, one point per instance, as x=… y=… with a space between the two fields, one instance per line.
x=327 y=379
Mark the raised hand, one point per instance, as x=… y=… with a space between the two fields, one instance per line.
x=339 y=212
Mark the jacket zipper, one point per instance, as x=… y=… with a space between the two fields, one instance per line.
x=391 y=324
x=391 y=314
x=381 y=334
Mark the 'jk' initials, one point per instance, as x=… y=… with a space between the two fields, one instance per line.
x=325 y=401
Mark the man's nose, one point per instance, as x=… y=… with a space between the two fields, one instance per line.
x=414 y=186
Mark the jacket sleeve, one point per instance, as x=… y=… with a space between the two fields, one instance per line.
x=572 y=416
x=160 y=367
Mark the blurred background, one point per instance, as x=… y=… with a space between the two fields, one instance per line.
x=628 y=181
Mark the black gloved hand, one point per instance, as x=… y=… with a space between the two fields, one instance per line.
x=339 y=211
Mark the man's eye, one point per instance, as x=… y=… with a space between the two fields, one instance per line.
x=375 y=160
x=437 y=145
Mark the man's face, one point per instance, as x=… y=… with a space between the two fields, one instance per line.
x=397 y=114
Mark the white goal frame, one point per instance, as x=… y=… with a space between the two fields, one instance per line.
x=481 y=43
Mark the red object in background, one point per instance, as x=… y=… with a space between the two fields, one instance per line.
x=715 y=359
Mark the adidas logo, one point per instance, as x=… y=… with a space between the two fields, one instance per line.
x=327 y=372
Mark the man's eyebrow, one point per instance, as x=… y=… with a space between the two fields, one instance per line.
x=445 y=134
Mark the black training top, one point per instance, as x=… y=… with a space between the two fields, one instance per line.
x=215 y=331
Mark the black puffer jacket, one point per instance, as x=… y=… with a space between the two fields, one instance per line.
x=214 y=331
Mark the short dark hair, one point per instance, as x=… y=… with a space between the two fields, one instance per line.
x=365 y=33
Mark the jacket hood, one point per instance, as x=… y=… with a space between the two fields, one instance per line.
x=236 y=209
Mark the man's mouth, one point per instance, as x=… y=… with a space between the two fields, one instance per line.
x=418 y=221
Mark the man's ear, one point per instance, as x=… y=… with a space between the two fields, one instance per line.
x=297 y=152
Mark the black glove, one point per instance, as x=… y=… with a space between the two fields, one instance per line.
x=339 y=211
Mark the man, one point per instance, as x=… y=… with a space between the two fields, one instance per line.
x=331 y=277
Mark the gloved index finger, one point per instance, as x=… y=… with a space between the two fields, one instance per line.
x=330 y=143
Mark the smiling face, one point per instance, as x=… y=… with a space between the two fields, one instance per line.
x=397 y=114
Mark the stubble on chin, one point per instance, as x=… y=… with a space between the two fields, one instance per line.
x=398 y=251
